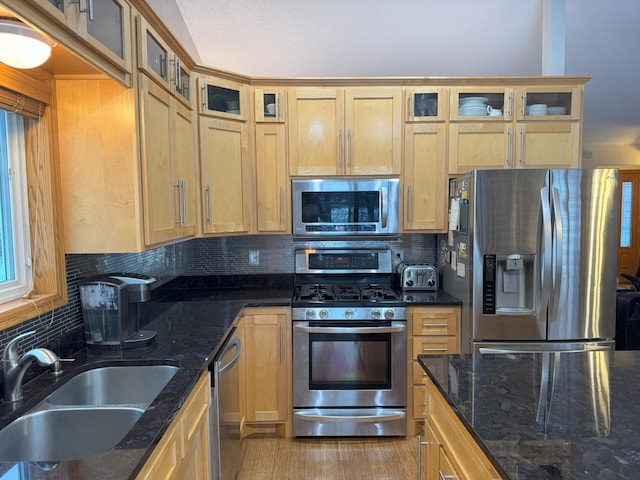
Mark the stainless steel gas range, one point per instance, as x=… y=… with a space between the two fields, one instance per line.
x=349 y=345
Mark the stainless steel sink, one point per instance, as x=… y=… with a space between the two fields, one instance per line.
x=89 y=414
x=118 y=385
x=65 y=434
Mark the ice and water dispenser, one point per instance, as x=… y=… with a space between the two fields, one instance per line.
x=508 y=284
x=111 y=310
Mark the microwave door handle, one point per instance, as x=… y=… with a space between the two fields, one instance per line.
x=384 y=207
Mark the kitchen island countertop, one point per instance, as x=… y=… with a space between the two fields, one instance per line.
x=556 y=416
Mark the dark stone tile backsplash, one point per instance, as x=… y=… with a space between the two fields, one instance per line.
x=201 y=256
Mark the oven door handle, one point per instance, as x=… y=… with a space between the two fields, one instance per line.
x=394 y=328
x=387 y=416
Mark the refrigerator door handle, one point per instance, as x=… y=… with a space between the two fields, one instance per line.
x=545 y=270
x=557 y=251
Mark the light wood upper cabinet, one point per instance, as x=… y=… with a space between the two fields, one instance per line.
x=345 y=131
x=223 y=98
x=424 y=177
x=156 y=59
x=538 y=127
x=426 y=104
x=557 y=103
x=270 y=105
x=273 y=190
x=99 y=165
x=169 y=171
x=225 y=170
x=105 y=25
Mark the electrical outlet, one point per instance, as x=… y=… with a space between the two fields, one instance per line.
x=254 y=257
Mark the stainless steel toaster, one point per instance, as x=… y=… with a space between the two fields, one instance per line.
x=418 y=277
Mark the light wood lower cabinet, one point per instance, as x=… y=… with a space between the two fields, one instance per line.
x=448 y=450
x=183 y=451
x=433 y=330
x=265 y=383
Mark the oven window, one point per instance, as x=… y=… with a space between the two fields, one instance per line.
x=341 y=207
x=350 y=361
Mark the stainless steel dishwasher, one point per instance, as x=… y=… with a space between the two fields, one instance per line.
x=225 y=410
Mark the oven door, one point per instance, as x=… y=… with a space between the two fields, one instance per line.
x=349 y=379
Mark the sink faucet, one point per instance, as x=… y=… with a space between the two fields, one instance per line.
x=14 y=366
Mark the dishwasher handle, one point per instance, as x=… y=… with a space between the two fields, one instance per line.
x=233 y=343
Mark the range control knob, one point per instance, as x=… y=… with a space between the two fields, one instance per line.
x=389 y=314
x=375 y=314
x=431 y=282
x=348 y=314
x=409 y=283
x=310 y=314
x=324 y=314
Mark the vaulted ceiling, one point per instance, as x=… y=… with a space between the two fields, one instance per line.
x=298 y=38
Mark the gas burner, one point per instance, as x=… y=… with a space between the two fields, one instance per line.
x=327 y=293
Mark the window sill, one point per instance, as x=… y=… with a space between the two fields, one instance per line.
x=21 y=310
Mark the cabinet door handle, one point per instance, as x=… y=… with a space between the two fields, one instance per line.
x=434 y=349
x=176 y=71
x=510 y=104
x=204 y=97
x=523 y=110
x=435 y=325
x=281 y=206
x=82 y=8
x=350 y=149
x=409 y=205
x=445 y=477
x=420 y=445
x=180 y=187
x=510 y=146
x=183 y=210
x=341 y=156
x=411 y=112
x=522 y=148
x=207 y=194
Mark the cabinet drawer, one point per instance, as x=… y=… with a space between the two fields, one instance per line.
x=435 y=346
x=435 y=321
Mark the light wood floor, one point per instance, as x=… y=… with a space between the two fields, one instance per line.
x=328 y=458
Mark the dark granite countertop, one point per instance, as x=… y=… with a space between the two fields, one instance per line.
x=191 y=316
x=584 y=424
x=191 y=320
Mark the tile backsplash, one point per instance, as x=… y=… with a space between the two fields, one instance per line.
x=201 y=256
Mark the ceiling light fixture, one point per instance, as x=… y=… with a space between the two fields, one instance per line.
x=21 y=46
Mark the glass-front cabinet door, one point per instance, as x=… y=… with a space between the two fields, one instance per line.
x=549 y=103
x=153 y=54
x=480 y=104
x=426 y=104
x=103 y=24
x=222 y=98
x=269 y=105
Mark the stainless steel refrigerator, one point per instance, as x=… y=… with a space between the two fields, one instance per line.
x=532 y=255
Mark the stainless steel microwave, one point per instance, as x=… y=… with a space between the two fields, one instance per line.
x=344 y=207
